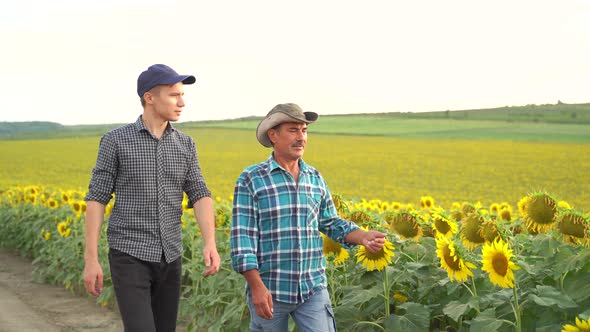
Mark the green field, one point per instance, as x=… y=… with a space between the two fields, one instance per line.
x=383 y=125
x=546 y=123
x=479 y=155
x=387 y=168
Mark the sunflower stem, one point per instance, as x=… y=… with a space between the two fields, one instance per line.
x=473 y=287
x=370 y=323
x=386 y=292
x=331 y=286
x=516 y=309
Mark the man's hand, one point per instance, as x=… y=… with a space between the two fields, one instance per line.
x=93 y=278
x=373 y=241
x=262 y=300
x=212 y=260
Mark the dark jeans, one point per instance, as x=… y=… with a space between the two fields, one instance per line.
x=147 y=293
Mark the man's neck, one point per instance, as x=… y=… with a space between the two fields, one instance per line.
x=290 y=165
x=154 y=125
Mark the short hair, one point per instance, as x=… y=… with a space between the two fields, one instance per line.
x=154 y=90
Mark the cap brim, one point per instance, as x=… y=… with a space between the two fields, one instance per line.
x=185 y=79
x=188 y=79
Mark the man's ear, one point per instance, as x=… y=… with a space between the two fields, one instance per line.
x=272 y=135
x=148 y=97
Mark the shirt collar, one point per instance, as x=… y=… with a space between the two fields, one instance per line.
x=272 y=164
x=139 y=126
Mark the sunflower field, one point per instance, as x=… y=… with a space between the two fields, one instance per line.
x=485 y=223
x=462 y=267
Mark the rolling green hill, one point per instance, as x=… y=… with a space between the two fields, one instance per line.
x=559 y=122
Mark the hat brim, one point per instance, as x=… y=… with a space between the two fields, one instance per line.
x=276 y=119
x=185 y=79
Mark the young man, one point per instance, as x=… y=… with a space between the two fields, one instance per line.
x=280 y=207
x=148 y=165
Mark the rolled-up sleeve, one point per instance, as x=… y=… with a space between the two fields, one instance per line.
x=104 y=174
x=244 y=230
x=194 y=185
x=331 y=224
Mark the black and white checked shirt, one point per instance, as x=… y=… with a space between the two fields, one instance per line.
x=148 y=177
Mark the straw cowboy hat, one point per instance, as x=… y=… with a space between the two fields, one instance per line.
x=282 y=113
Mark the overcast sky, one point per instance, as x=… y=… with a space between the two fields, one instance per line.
x=77 y=62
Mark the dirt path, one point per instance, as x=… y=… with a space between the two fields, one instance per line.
x=29 y=306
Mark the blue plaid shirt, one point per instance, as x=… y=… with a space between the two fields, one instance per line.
x=276 y=228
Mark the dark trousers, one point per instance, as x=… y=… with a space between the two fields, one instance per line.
x=147 y=293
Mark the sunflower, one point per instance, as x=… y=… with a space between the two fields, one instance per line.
x=489 y=230
x=31 y=199
x=471 y=230
x=361 y=218
x=581 y=326
x=32 y=190
x=443 y=224
x=47 y=236
x=395 y=206
x=541 y=212
x=77 y=207
x=522 y=204
x=427 y=230
x=574 y=228
x=468 y=208
x=63 y=229
x=221 y=219
x=333 y=248
x=108 y=209
x=65 y=197
x=52 y=204
x=564 y=205
x=185 y=206
x=401 y=298
x=452 y=261
x=494 y=208
x=496 y=260
x=505 y=214
x=378 y=260
x=426 y=202
x=406 y=224
x=385 y=206
x=457 y=215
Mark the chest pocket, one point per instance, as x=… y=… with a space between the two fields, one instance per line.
x=175 y=161
x=314 y=197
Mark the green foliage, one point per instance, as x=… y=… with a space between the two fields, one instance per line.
x=412 y=294
x=12 y=128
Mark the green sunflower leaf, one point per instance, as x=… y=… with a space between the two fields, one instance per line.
x=486 y=321
x=411 y=317
x=455 y=310
x=549 y=296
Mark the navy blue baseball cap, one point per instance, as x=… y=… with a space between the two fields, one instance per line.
x=160 y=75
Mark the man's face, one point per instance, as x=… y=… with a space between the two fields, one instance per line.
x=167 y=101
x=289 y=140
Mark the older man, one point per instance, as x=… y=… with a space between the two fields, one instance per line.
x=280 y=207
